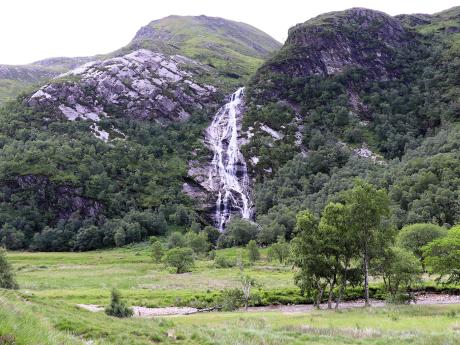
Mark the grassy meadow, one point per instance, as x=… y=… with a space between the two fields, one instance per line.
x=44 y=310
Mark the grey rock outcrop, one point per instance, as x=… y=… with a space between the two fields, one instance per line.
x=140 y=85
x=333 y=42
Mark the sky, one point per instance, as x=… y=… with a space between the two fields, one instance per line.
x=36 y=29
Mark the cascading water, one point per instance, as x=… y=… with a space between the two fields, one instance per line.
x=228 y=175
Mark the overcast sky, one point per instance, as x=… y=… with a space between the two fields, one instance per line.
x=35 y=29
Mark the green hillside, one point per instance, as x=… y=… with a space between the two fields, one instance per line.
x=235 y=49
x=348 y=105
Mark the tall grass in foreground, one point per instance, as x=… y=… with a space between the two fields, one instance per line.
x=21 y=327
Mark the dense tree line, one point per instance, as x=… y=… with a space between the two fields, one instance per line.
x=63 y=189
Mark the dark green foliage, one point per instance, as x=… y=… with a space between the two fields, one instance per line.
x=222 y=261
x=7 y=277
x=238 y=232
x=410 y=116
x=63 y=189
x=176 y=240
x=426 y=183
x=212 y=233
x=253 y=251
x=182 y=259
x=323 y=251
x=117 y=307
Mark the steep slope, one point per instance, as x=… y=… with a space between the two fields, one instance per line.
x=104 y=148
x=348 y=94
x=140 y=85
x=333 y=42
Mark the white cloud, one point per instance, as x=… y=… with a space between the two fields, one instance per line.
x=33 y=30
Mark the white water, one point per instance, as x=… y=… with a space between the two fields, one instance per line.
x=228 y=175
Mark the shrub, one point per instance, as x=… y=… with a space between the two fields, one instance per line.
x=176 y=240
x=179 y=258
x=253 y=251
x=223 y=262
x=156 y=251
x=231 y=299
x=120 y=237
x=117 y=307
x=212 y=233
x=238 y=232
x=279 y=251
x=198 y=242
x=400 y=298
x=441 y=256
x=7 y=278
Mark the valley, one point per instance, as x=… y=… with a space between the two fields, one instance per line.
x=206 y=184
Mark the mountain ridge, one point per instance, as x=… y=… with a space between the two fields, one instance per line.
x=235 y=62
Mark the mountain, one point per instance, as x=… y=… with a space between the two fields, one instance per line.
x=15 y=79
x=105 y=147
x=131 y=145
x=233 y=49
x=357 y=93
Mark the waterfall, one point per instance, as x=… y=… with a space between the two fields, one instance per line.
x=228 y=175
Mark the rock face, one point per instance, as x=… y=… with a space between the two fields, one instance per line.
x=332 y=42
x=61 y=202
x=141 y=85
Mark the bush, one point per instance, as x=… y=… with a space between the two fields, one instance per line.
x=198 y=242
x=238 y=232
x=231 y=299
x=179 y=258
x=400 y=298
x=120 y=237
x=213 y=234
x=279 y=251
x=156 y=251
x=223 y=262
x=176 y=240
x=253 y=251
x=117 y=307
x=7 y=278
x=441 y=256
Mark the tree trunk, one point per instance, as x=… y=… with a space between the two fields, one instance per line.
x=343 y=285
x=246 y=297
x=339 y=297
x=366 y=278
x=319 y=297
x=331 y=292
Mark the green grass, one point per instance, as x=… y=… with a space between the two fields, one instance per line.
x=48 y=322
x=88 y=277
x=44 y=310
